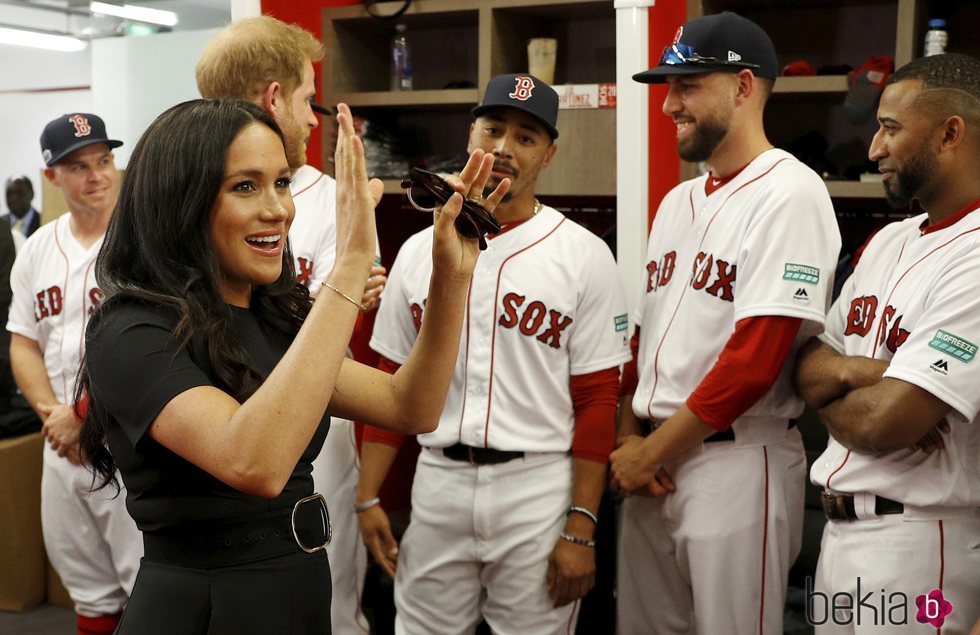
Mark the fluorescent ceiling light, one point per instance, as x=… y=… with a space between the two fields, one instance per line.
x=132 y=12
x=40 y=40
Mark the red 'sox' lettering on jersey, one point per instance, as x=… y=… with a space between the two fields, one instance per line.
x=531 y=318
x=95 y=298
x=861 y=315
x=891 y=332
x=48 y=303
x=719 y=273
x=305 y=271
x=659 y=274
x=523 y=88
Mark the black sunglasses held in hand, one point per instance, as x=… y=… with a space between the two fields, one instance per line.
x=427 y=191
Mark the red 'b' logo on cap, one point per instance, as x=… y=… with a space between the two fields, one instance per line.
x=523 y=88
x=82 y=129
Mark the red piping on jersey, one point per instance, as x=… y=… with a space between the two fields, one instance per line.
x=572 y=619
x=765 y=542
x=951 y=220
x=81 y=337
x=64 y=255
x=309 y=186
x=839 y=468
x=466 y=361
x=881 y=324
x=656 y=356
x=493 y=337
x=942 y=563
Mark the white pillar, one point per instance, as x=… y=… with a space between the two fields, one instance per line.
x=245 y=9
x=632 y=142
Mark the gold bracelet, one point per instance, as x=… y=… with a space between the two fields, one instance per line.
x=344 y=295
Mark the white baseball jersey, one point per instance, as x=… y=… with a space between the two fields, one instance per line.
x=53 y=282
x=914 y=301
x=89 y=536
x=545 y=303
x=313 y=239
x=765 y=243
x=313 y=234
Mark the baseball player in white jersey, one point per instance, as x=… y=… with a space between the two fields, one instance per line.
x=896 y=380
x=507 y=488
x=89 y=537
x=228 y=67
x=740 y=266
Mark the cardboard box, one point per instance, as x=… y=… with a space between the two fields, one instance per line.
x=57 y=594
x=22 y=559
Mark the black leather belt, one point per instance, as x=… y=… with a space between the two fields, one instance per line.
x=480 y=456
x=841 y=506
x=727 y=435
x=211 y=544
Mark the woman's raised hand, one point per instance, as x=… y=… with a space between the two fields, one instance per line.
x=451 y=252
x=357 y=196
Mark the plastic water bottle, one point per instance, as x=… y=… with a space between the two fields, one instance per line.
x=401 y=65
x=936 y=37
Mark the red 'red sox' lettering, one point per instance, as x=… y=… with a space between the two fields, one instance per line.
x=896 y=335
x=95 y=298
x=665 y=268
x=305 y=271
x=47 y=303
x=417 y=310
x=532 y=318
x=707 y=267
x=861 y=315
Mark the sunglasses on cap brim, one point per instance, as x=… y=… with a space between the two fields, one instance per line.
x=428 y=191
x=677 y=54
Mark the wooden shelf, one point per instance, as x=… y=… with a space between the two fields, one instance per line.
x=812 y=85
x=465 y=43
x=410 y=98
x=855 y=189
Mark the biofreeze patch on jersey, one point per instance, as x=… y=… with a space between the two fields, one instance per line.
x=622 y=322
x=803 y=273
x=955 y=346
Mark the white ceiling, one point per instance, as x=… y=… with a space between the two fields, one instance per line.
x=72 y=16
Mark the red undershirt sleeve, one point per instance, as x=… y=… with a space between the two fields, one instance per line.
x=631 y=375
x=595 y=397
x=746 y=369
x=377 y=435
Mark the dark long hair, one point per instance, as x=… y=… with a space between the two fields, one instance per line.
x=158 y=250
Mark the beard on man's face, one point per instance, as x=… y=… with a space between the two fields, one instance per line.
x=707 y=135
x=909 y=180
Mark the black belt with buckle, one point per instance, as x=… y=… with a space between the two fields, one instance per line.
x=841 y=506
x=480 y=456
x=726 y=435
x=211 y=544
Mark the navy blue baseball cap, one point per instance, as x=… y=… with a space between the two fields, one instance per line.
x=70 y=132
x=715 y=43
x=524 y=92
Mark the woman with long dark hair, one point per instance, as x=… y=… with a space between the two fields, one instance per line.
x=211 y=375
